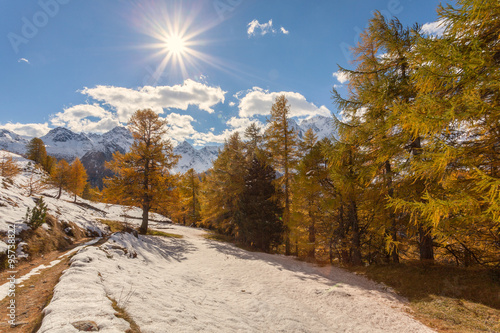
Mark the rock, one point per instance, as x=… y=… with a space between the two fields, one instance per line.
x=86 y=326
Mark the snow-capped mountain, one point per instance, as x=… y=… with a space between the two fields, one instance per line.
x=12 y=142
x=198 y=159
x=322 y=126
x=95 y=149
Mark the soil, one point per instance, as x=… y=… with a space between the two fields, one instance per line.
x=35 y=293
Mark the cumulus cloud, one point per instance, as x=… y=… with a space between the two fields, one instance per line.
x=30 y=129
x=126 y=101
x=86 y=118
x=258 y=102
x=255 y=28
x=434 y=28
x=341 y=77
x=180 y=127
x=23 y=60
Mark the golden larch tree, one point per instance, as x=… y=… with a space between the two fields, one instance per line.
x=141 y=176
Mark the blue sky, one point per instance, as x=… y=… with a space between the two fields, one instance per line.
x=209 y=67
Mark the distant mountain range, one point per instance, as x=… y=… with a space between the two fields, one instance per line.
x=95 y=149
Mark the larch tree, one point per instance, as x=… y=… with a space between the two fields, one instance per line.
x=281 y=142
x=142 y=175
x=254 y=139
x=189 y=186
x=35 y=151
x=383 y=79
x=8 y=167
x=457 y=113
x=60 y=177
x=308 y=192
x=221 y=189
x=77 y=178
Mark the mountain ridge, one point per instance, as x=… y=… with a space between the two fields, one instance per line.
x=95 y=149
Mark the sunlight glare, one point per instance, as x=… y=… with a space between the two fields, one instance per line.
x=175 y=44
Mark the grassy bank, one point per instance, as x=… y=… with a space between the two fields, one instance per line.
x=446 y=298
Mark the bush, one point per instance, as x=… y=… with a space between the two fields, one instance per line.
x=36 y=217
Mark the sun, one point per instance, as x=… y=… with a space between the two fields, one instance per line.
x=176 y=45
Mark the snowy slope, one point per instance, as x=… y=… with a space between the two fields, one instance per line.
x=322 y=126
x=198 y=285
x=198 y=159
x=14 y=201
x=12 y=142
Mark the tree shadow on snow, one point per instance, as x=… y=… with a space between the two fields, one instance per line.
x=304 y=271
x=168 y=248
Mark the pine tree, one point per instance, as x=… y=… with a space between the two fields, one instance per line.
x=260 y=222
x=77 y=178
x=142 y=175
x=281 y=143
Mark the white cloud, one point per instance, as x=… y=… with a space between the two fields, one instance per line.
x=32 y=130
x=180 y=127
x=434 y=28
x=341 y=77
x=232 y=103
x=76 y=118
x=263 y=27
x=23 y=60
x=259 y=102
x=126 y=101
x=241 y=124
x=256 y=28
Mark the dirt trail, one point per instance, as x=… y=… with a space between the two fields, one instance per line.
x=35 y=293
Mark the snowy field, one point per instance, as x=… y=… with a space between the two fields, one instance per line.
x=198 y=285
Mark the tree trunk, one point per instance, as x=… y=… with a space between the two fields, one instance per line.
x=312 y=237
x=145 y=216
x=356 y=241
x=424 y=232
x=425 y=243
x=60 y=192
x=392 y=216
x=146 y=201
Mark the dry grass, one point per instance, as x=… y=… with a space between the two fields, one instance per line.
x=162 y=234
x=117 y=226
x=446 y=298
x=41 y=241
x=122 y=313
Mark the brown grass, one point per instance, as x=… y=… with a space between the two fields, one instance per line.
x=445 y=298
x=122 y=313
x=117 y=226
x=162 y=234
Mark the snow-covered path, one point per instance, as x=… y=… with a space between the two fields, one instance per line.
x=198 y=285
